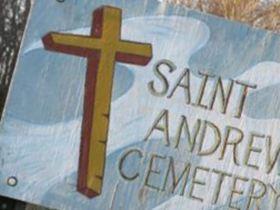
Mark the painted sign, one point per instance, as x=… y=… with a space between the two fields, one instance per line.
x=146 y=105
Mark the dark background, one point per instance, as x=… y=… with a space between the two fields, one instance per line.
x=13 y=17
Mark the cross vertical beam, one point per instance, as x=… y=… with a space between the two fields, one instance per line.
x=102 y=49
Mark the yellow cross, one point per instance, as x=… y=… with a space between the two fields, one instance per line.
x=102 y=48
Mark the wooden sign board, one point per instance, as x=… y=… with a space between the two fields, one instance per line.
x=119 y=104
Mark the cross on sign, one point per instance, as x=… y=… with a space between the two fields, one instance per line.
x=102 y=49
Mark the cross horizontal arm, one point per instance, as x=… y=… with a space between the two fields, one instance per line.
x=79 y=45
x=134 y=52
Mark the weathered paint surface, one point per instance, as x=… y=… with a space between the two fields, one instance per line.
x=197 y=128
